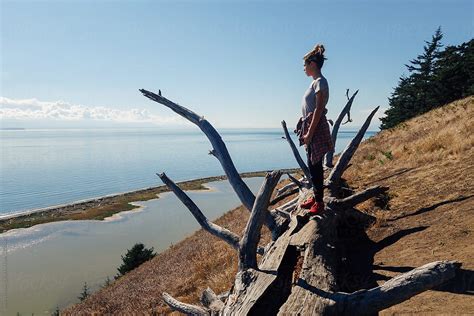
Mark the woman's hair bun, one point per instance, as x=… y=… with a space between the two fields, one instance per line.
x=316 y=55
x=319 y=49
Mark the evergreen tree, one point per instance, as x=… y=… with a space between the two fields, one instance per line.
x=85 y=292
x=107 y=282
x=422 y=70
x=415 y=94
x=56 y=312
x=454 y=71
x=436 y=78
x=135 y=257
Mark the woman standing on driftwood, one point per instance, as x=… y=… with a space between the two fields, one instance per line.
x=315 y=133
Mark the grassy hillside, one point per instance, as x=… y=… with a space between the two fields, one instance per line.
x=428 y=215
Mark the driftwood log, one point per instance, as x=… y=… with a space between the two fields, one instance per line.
x=300 y=269
x=335 y=129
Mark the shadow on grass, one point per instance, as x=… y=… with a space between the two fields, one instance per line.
x=462 y=283
x=399 y=172
x=434 y=206
x=390 y=240
x=358 y=271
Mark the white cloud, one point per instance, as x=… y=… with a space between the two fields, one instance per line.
x=33 y=109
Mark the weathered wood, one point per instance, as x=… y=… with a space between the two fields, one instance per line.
x=337 y=171
x=251 y=285
x=229 y=237
x=288 y=206
x=222 y=154
x=328 y=158
x=318 y=271
x=210 y=300
x=286 y=188
x=214 y=229
x=294 y=184
x=283 y=196
x=297 y=273
x=283 y=213
x=184 y=308
x=359 y=197
x=400 y=288
x=251 y=237
x=297 y=155
x=286 y=209
x=295 y=181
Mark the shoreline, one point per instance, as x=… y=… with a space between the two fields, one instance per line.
x=102 y=207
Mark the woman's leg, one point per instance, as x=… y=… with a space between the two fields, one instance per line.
x=317 y=178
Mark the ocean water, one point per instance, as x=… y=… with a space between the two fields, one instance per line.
x=41 y=168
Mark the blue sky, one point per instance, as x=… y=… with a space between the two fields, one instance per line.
x=238 y=63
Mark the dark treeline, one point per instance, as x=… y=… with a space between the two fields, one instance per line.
x=436 y=77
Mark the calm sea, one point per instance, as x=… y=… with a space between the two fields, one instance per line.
x=41 y=168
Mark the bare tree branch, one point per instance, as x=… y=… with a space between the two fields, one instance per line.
x=345 y=158
x=285 y=188
x=295 y=152
x=221 y=153
x=219 y=148
x=251 y=237
x=184 y=308
x=288 y=206
x=335 y=129
x=289 y=189
x=283 y=196
x=359 y=197
x=226 y=235
x=348 y=112
x=229 y=237
x=210 y=300
x=295 y=181
x=401 y=288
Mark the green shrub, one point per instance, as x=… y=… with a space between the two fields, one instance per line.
x=387 y=154
x=85 y=292
x=135 y=257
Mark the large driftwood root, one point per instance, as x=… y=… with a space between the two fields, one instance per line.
x=299 y=269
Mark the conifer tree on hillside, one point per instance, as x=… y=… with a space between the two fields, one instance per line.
x=422 y=69
x=135 y=257
x=454 y=73
x=415 y=94
x=436 y=78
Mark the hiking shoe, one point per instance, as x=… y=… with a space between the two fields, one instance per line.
x=317 y=208
x=308 y=203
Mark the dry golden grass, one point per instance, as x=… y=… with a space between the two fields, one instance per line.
x=431 y=176
x=428 y=164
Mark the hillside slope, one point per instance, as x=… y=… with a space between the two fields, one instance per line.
x=428 y=163
x=428 y=215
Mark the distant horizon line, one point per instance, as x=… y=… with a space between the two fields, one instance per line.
x=341 y=129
